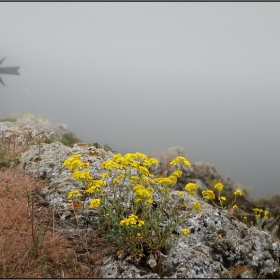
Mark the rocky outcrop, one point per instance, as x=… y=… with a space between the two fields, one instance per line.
x=44 y=127
x=218 y=242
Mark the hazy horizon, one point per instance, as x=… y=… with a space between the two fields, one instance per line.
x=149 y=76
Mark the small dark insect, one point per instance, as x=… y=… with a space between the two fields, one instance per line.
x=154 y=205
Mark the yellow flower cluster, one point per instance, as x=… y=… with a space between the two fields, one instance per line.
x=185 y=231
x=180 y=160
x=133 y=161
x=105 y=175
x=132 y=220
x=209 y=194
x=191 y=188
x=94 y=203
x=143 y=194
x=109 y=164
x=95 y=186
x=258 y=212
x=197 y=206
x=75 y=193
x=219 y=186
x=238 y=192
x=85 y=174
x=74 y=163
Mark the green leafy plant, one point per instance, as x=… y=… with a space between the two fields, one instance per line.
x=131 y=203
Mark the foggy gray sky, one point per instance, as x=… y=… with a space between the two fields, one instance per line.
x=148 y=76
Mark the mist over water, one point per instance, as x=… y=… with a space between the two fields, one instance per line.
x=148 y=76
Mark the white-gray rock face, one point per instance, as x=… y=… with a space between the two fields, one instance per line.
x=217 y=242
x=45 y=161
x=53 y=130
x=18 y=136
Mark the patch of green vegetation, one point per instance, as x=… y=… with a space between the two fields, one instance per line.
x=105 y=146
x=9 y=117
x=69 y=139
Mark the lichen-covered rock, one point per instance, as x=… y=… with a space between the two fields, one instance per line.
x=53 y=130
x=18 y=136
x=45 y=161
x=217 y=242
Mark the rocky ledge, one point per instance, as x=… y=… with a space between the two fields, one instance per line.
x=218 y=244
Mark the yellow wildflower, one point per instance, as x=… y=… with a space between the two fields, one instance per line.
x=143 y=170
x=138 y=155
x=72 y=193
x=223 y=198
x=132 y=220
x=140 y=223
x=180 y=193
x=238 y=192
x=116 y=181
x=136 y=178
x=96 y=185
x=209 y=194
x=78 y=175
x=256 y=210
x=197 y=206
x=121 y=176
x=143 y=194
x=94 y=203
x=191 y=187
x=144 y=181
x=185 y=231
x=177 y=173
x=172 y=180
x=105 y=175
x=219 y=186
x=109 y=164
x=180 y=160
x=235 y=206
x=74 y=163
x=149 y=162
x=266 y=212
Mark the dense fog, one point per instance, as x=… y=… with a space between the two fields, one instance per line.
x=148 y=76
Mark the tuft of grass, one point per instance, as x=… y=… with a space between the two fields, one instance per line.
x=105 y=147
x=236 y=272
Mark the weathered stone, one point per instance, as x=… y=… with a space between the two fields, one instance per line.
x=52 y=130
x=217 y=242
x=45 y=161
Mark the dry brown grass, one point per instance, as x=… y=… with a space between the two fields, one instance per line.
x=31 y=245
x=236 y=272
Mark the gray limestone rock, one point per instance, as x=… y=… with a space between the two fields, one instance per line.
x=45 y=161
x=53 y=130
